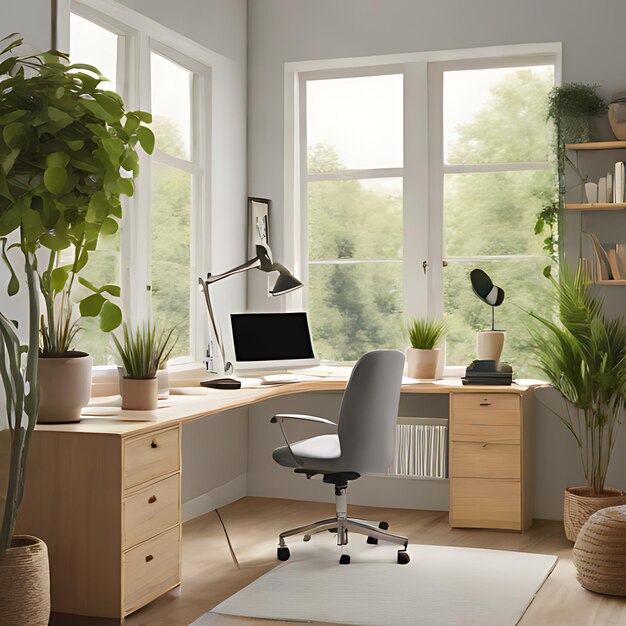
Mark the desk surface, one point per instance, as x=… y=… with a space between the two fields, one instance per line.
x=201 y=402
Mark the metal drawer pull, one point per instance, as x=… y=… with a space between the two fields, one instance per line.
x=154 y=444
x=152 y=499
x=483 y=445
x=485 y=404
x=149 y=558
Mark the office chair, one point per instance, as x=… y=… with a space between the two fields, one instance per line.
x=364 y=444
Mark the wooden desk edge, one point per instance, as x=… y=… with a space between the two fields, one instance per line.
x=185 y=408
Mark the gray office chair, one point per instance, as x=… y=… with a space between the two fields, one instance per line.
x=364 y=444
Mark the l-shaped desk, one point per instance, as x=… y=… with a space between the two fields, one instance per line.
x=105 y=494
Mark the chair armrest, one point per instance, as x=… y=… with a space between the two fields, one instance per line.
x=303 y=418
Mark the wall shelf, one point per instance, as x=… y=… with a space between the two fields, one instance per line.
x=597 y=145
x=609 y=206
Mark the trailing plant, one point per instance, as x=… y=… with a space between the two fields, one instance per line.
x=547 y=224
x=425 y=334
x=65 y=144
x=583 y=356
x=144 y=349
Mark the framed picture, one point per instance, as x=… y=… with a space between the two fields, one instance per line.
x=258 y=224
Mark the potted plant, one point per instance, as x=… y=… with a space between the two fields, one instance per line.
x=69 y=151
x=572 y=107
x=423 y=357
x=141 y=351
x=584 y=357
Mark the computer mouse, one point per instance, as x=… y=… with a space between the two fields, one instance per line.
x=222 y=383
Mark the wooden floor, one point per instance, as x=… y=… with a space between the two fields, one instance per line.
x=209 y=575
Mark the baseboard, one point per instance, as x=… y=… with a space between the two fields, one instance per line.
x=214 y=499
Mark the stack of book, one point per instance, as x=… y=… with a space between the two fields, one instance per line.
x=610 y=259
x=488 y=373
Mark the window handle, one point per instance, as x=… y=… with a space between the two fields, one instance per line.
x=444 y=263
x=424 y=266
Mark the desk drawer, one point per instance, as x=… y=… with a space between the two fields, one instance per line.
x=151 y=568
x=485 y=503
x=485 y=460
x=151 y=511
x=151 y=456
x=486 y=408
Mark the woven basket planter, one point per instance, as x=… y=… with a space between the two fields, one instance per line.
x=25 y=583
x=579 y=504
x=600 y=552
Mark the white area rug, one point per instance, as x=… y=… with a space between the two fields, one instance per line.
x=441 y=586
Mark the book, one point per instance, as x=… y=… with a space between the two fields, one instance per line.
x=609 y=187
x=614 y=265
x=618 y=182
x=602 y=197
x=603 y=266
x=620 y=252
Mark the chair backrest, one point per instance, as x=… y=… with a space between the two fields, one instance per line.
x=369 y=411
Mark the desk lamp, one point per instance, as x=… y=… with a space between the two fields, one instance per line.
x=285 y=283
x=490 y=342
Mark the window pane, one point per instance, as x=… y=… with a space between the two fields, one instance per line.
x=355 y=123
x=103 y=269
x=355 y=219
x=171 y=106
x=355 y=307
x=495 y=213
x=97 y=46
x=497 y=115
x=171 y=257
x=526 y=289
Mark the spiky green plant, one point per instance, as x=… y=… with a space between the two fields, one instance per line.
x=425 y=334
x=583 y=355
x=144 y=349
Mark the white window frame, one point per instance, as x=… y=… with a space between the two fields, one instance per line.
x=138 y=37
x=423 y=166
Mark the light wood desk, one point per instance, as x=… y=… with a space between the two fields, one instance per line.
x=105 y=494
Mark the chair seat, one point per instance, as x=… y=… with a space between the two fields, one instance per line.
x=322 y=453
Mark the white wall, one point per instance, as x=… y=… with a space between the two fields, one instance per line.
x=281 y=31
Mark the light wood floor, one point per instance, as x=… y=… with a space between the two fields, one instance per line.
x=209 y=575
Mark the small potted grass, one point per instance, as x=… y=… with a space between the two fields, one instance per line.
x=423 y=355
x=142 y=350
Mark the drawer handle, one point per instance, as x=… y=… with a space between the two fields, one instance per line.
x=485 y=404
x=152 y=499
x=483 y=445
x=149 y=558
x=154 y=444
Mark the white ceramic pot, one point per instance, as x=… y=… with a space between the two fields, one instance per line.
x=422 y=363
x=140 y=394
x=163 y=383
x=489 y=344
x=64 y=386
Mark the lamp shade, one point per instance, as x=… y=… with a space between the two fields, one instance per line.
x=285 y=282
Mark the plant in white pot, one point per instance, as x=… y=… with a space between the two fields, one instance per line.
x=69 y=151
x=423 y=356
x=583 y=356
x=142 y=350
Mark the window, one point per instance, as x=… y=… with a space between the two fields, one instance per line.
x=414 y=174
x=156 y=246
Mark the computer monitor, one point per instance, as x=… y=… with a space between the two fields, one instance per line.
x=272 y=341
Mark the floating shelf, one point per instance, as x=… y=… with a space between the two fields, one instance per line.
x=609 y=206
x=597 y=145
x=612 y=283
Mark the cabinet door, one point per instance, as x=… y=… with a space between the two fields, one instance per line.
x=485 y=460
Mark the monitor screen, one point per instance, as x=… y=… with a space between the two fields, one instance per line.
x=271 y=336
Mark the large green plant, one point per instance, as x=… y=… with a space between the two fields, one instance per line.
x=65 y=144
x=584 y=357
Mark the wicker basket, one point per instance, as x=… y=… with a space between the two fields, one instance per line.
x=600 y=552
x=579 y=504
x=25 y=583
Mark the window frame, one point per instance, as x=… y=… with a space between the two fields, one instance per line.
x=139 y=36
x=423 y=168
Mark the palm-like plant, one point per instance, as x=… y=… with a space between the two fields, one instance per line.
x=584 y=357
x=425 y=334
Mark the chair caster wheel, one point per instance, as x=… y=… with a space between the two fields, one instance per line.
x=282 y=554
x=372 y=541
x=344 y=559
x=383 y=525
x=306 y=538
x=403 y=557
